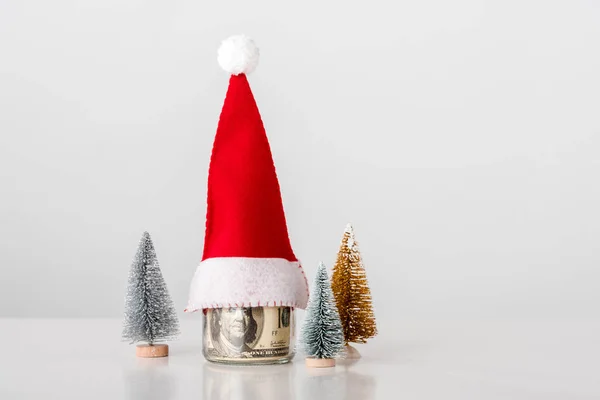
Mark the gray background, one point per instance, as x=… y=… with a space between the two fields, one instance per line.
x=461 y=138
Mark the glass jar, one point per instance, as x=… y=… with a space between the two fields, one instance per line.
x=249 y=335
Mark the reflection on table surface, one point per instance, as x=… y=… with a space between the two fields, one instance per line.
x=285 y=382
x=150 y=379
x=245 y=382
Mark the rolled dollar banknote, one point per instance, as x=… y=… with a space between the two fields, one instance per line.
x=249 y=335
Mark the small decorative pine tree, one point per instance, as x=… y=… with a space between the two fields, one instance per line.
x=352 y=293
x=322 y=336
x=149 y=313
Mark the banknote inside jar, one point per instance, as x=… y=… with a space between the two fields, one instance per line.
x=253 y=335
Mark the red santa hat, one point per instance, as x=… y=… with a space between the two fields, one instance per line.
x=248 y=260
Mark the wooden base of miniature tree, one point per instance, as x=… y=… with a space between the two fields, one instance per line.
x=152 y=350
x=312 y=362
x=351 y=353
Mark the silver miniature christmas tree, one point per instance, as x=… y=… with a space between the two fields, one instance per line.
x=149 y=312
x=322 y=335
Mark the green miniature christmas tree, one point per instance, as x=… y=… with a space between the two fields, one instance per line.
x=322 y=336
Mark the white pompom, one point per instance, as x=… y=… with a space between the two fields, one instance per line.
x=238 y=55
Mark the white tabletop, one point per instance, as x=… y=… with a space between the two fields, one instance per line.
x=485 y=360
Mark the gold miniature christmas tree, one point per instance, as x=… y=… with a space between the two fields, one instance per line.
x=352 y=293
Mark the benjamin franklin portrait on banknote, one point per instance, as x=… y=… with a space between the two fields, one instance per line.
x=234 y=330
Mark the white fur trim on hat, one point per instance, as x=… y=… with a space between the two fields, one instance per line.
x=247 y=282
